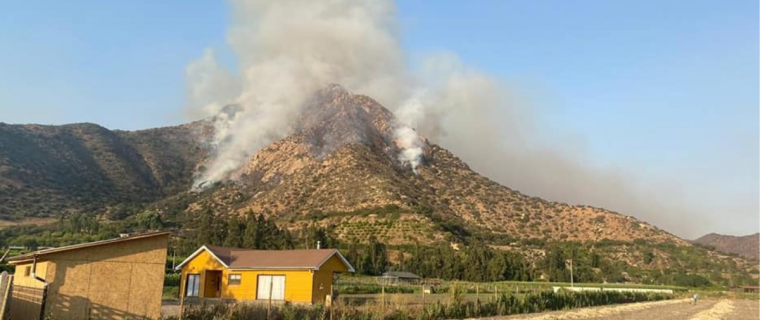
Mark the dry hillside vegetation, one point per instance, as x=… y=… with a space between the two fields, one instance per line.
x=747 y=246
x=51 y=170
x=342 y=159
x=339 y=169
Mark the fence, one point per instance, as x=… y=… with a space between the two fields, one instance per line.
x=27 y=301
x=6 y=281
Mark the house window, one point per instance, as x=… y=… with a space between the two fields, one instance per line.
x=192 y=285
x=271 y=287
x=27 y=271
x=234 y=279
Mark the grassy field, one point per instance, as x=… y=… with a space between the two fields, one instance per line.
x=455 y=305
x=361 y=288
x=170 y=293
x=371 y=285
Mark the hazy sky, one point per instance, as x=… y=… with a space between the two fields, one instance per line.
x=664 y=90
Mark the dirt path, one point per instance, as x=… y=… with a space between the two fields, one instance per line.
x=661 y=310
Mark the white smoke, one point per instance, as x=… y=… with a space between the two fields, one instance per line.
x=411 y=146
x=287 y=50
x=408 y=116
x=210 y=86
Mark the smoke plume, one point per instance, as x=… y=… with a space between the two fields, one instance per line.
x=288 y=49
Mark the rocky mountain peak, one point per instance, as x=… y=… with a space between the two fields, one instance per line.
x=335 y=117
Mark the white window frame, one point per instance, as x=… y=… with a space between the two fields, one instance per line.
x=192 y=288
x=234 y=282
x=262 y=293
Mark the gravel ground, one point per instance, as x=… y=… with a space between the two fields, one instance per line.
x=661 y=310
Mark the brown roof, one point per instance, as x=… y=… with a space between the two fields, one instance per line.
x=31 y=255
x=235 y=258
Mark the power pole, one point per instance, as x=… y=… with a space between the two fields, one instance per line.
x=571 y=273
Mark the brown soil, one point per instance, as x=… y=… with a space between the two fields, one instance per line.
x=662 y=310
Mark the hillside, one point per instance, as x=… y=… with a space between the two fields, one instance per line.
x=746 y=246
x=342 y=159
x=339 y=170
x=53 y=170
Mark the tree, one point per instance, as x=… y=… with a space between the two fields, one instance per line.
x=401 y=262
x=353 y=254
x=556 y=265
x=379 y=258
x=210 y=229
x=252 y=235
x=149 y=220
x=235 y=230
x=497 y=267
x=596 y=260
x=648 y=257
x=31 y=244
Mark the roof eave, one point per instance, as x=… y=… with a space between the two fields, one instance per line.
x=271 y=268
x=40 y=253
x=342 y=259
x=196 y=253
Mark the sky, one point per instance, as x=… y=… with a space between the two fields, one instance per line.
x=664 y=90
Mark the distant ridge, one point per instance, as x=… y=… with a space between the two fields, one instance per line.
x=746 y=246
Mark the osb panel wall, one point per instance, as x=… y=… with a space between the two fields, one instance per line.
x=114 y=281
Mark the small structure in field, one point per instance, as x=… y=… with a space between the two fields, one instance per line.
x=303 y=276
x=401 y=277
x=747 y=289
x=110 y=279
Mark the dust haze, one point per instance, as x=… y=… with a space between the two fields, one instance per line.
x=288 y=49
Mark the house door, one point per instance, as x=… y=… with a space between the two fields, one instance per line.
x=213 y=285
x=273 y=286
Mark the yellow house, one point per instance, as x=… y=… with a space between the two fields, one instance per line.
x=118 y=278
x=303 y=276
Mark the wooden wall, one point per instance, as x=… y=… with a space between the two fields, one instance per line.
x=112 y=281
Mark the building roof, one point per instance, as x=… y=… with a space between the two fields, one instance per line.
x=401 y=275
x=40 y=253
x=241 y=259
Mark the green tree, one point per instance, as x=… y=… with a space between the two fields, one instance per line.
x=648 y=257
x=235 y=230
x=497 y=267
x=252 y=235
x=149 y=220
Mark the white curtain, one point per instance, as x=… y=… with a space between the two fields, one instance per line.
x=276 y=283
x=193 y=284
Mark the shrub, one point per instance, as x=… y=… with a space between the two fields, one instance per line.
x=505 y=304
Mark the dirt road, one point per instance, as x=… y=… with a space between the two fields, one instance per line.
x=661 y=310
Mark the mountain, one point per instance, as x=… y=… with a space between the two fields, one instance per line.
x=342 y=158
x=52 y=170
x=746 y=246
x=338 y=169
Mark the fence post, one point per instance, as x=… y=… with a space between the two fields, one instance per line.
x=332 y=294
x=423 y=295
x=181 y=305
x=383 y=298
